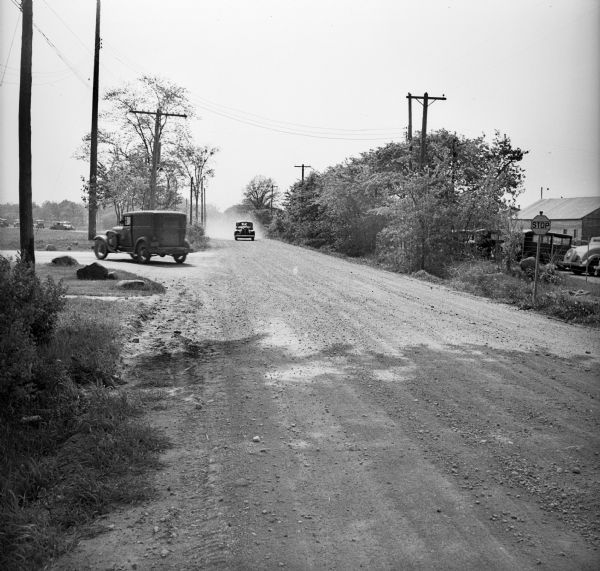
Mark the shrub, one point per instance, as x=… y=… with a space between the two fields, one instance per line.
x=197 y=237
x=28 y=313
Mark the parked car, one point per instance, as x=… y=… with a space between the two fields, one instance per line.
x=39 y=224
x=62 y=225
x=3 y=223
x=244 y=230
x=583 y=258
x=146 y=233
x=553 y=246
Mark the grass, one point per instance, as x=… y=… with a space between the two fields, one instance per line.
x=62 y=240
x=68 y=275
x=557 y=295
x=80 y=451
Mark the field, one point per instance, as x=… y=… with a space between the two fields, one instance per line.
x=62 y=240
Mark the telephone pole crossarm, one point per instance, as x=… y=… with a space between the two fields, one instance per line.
x=302 y=166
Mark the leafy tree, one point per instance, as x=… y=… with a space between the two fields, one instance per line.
x=127 y=142
x=260 y=193
x=193 y=160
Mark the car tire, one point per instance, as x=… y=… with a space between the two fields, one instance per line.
x=180 y=258
x=100 y=249
x=592 y=266
x=142 y=253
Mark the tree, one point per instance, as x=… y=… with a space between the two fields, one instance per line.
x=260 y=193
x=129 y=141
x=193 y=160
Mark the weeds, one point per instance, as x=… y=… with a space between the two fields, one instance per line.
x=70 y=448
x=484 y=279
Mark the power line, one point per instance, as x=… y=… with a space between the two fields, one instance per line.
x=10 y=49
x=56 y=50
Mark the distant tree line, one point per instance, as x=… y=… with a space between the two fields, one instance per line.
x=383 y=203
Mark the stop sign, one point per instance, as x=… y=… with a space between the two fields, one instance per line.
x=540 y=224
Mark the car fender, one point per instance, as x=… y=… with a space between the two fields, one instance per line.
x=102 y=238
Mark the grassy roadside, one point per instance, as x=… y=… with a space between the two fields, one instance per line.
x=73 y=440
x=557 y=295
x=68 y=276
x=61 y=240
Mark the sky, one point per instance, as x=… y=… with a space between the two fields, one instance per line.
x=279 y=83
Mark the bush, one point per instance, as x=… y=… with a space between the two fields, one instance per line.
x=28 y=313
x=197 y=237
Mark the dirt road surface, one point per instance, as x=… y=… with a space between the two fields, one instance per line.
x=328 y=415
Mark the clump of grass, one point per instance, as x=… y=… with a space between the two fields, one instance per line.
x=87 y=454
x=485 y=279
x=70 y=448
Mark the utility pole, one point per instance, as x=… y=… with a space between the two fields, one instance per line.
x=425 y=101
x=92 y=195
x=303 y=166
x=191 y=197
x=273 y=187
x=25 y=192
x=202 y=202
x=158 y=115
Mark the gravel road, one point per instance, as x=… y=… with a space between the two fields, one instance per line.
x=328 y=415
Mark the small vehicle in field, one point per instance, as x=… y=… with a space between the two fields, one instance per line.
x=146 y=233
x=62 y=225
x=244 y=230
x=583 y=258
x=39 y=224
x=3 y=223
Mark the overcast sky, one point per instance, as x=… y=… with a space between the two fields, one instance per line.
x=278 y=83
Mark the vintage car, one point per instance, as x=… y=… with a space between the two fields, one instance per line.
x=244 y=230
x=583 y=258
x=39 y=224
x=146 y=233
x=61 y=225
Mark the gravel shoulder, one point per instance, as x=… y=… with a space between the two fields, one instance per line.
x=328 y=415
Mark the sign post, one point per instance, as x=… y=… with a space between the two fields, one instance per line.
x=540 y=225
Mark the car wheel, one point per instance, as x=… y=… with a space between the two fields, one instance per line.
x=100 y=249
x=235 y=238
x=592 y=267
x=180 y=258
x=142 y=253
x=252 y=238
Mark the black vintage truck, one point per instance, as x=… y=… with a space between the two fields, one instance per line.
x=146 y=233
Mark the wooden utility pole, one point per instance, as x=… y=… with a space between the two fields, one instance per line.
x=25 y=192
x=203 y=202
x=158 y=115
x=273 y=187
x=191 y=197
x=92 y=195
x=303 y=166
x=426 y=101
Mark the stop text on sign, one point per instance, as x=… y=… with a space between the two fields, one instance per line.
x=541 y=224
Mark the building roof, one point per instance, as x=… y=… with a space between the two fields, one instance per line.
x=562 y=208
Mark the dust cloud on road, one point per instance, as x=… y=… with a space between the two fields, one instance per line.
x=328 y=415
